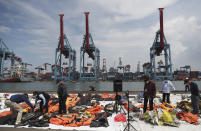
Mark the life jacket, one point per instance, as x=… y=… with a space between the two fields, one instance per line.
x=54 y=108
x=26 y=107
x=188 y=117
x=113 y=96
x=49 y=103
x=105 y=96
x=71 y=102
x=5 y=113
x=167 y=106
x=72 y=125
x=61 y=120
x=95 y=110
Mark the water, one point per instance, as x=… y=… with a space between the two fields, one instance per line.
x=83 y=86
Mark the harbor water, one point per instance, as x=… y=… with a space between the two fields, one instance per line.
x=83 y=86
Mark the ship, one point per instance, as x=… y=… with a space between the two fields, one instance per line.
x=17 y=73
x=9 y=80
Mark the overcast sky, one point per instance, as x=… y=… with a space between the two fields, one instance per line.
x=120 y=28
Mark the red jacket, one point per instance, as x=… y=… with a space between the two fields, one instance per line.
x=150 y=89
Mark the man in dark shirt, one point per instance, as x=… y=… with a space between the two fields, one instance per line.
x=149 y=93
x=62 y=94
x=14 y=104
x=195 y=96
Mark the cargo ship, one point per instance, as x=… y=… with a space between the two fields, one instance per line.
x=18 y=73
x=10 y=80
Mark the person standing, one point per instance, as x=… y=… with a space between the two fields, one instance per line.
x=167 y=87
x=44 y=97
x=14 y=104
x=62 y=94
x=187 y=88
x=149 y=93
x=195 y=96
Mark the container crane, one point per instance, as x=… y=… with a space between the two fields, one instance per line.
x=160 y=45
x=45 y=65
x=120 y=66
x=146 y=69
x=89 y=47
x=27 y=64
x=104 y=70
x=39 y=68
x=64 y=53
x=5 y=55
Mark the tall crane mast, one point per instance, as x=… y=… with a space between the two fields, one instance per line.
x=93 y=52
x=160 y=45
x=64 y=54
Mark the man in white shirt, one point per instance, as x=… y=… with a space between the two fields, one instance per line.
x=167 y=87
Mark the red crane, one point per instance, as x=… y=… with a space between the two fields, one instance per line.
x=161 y=47
x=61 y=33
x=87 y=47
x=161 y=29
x=87 y=32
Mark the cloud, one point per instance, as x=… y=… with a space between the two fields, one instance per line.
x=5 y=29
x=123 y=11
x=183 y=34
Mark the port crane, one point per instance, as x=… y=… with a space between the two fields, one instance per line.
x=45 y=65
x=5 y=55
x=104 y=70
x=146 y=69
x=159 y=46
x=93 y=52
x=64 y=54
x=40 y=69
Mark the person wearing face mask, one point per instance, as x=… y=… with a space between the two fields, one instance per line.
x=149 y=93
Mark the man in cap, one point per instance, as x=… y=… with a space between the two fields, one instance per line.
x=195 y=96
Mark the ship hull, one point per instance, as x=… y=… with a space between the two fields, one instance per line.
x=10 y=80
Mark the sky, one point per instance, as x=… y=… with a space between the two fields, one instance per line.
x=120 y=28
